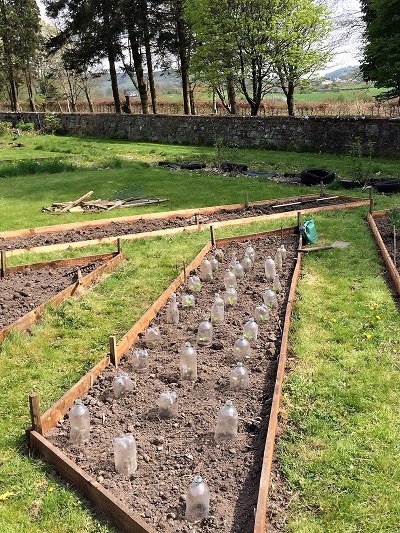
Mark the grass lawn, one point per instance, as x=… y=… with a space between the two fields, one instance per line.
x=339 y=452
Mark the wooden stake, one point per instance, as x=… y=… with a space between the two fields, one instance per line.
x=34 y=407
x=119 y=243
x=184 y=270
x=212 y=232
x=196 y=217
x=113 y=350
x=281 y=234
x=79 y=273
x=371 y=201
x=3 y=263
x=394 y=247
x=246 y=199
x=321 y=188
x=298 y=218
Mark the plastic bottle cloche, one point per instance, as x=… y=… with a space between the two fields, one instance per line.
x=79 y=419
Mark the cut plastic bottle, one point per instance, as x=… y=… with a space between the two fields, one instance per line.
x=250 y=330
x=238 y=270
x=278 y=259
x=172 y=312
x=167 y=404
x=197 y=500
x=125 y=458
x=122 y=384
x=79 y=419
x=246 y=263
x=188 y=363
x=239 y=377
x=242 y=348
x=152 y=337
x=214 y=264
x=276 y=286
x=270 y=299
x=230 y=297
x=218 y=310
x=140 y=360
x=270 y=269
x=204 y=333
x=261 y=314
x=219 y=255
x=194 y=284
x=188 y=300
x=283 y=252
x=230 y=279
x=206 y=273
x=250 y=252
x=227 y=423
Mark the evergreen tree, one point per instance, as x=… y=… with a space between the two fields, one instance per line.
x=381 y=61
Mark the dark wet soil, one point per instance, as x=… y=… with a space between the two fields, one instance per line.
x=171 y=451
x=386 y=230
x=119 y=228
x=21 y=292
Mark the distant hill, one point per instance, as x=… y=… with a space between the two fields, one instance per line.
x=350 y=73
x=166 y=82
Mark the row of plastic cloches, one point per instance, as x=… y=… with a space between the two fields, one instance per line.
x=125 y=452
x=226 y=428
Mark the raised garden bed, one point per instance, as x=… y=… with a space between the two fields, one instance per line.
x=27 y=290
x=107 y=231
x=171 y=451
x=382 y=230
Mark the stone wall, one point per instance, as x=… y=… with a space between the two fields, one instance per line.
x=314 y=134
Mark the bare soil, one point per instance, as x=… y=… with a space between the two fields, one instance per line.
x=23 y=291
x=386 y=230
x=119 y=228
x=171 y=451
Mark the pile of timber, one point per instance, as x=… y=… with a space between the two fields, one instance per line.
x=83 y=205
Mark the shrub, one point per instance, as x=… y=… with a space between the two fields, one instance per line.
x=5 y=127
x=26 y=126
x=52 y=124
x=51 y=166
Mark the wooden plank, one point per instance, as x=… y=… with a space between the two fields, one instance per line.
x=393 y=272
x=75 y=202
x=34 y=409
x=283 y=231
x=56 y=413
x=62 y=263
x=260 y=524
x=124 y=519
x=186 y=213
x=130 y=337
x=25 y=322
x=186 y=229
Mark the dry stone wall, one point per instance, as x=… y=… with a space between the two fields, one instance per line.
x=314 y=134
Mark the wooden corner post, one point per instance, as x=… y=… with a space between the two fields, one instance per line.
x=113 y=350
x=3 y=268
x=298 y=219
x=212 y=234
x=119 y=243
x=34 y=407
x=371 y=201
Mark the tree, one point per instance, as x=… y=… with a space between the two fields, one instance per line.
x=254 y=45
x=19 y=36
x=299 y=51
x=381 y=60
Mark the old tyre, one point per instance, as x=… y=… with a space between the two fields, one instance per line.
x=228 y=166
x=387 y=186
x=314 y=176
x=193 y=166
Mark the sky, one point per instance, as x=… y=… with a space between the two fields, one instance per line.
x=347 y=53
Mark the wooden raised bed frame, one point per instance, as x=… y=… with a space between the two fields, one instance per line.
x=111 y=261
x=120 y=515
x=393 y=272
x=168 y=215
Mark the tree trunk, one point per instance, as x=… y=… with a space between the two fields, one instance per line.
x=231 y=97
x=114 y=82
x=192 y=102
x=183 y=56
x=290 y=98
x=28 y=78
x=149 y=59
x=89 y=99
x=138 y=64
